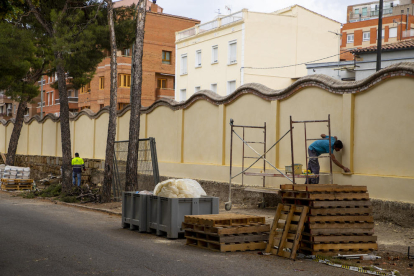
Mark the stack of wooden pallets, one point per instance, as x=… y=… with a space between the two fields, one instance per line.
x=226 y=232
x=340 y=218
x=16 y=184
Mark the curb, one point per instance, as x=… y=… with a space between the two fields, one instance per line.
x=89 y=208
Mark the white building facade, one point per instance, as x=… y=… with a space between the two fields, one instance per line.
x=246 y=47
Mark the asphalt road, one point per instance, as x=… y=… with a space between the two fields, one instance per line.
x=42 y=238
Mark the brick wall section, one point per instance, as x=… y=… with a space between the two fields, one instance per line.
x=357 y=37
x=159 y=36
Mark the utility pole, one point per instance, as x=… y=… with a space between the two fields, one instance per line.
x=379 y=36
x=41 y=97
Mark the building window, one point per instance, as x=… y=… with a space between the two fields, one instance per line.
x=350 y=38
x=184 y=64
x=198 y=59
x=231 y=87
x=53 y=98
x=366 y=36
x=233 y=52
x=364 y=11
x=183 y=94
x=86 y=88
x=393 y=32
x=14 y=109
x=101 y=106
x=214 y=54
x=356 y=11
x=166 y=57
x=126 y=52
x=124 y=80
x=101 y=83
x=196 y=89
x=162 y=83
x=214 y=87
x=121 y=106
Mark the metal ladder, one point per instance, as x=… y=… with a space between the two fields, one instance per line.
x=306 y=147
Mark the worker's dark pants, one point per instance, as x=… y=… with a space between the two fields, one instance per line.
x=313 y=166
x=76 y=175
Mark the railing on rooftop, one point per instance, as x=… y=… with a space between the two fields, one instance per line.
x=232 y=18
x=208 y=26
x=211 y=25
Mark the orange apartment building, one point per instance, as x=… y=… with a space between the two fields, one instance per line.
x=158 y=63
x=360 y=31
x=158 y=68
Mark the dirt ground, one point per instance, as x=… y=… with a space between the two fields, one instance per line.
x=393 y=240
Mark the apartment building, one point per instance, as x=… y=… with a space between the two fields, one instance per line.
x=8 y=107
x=51 y=97
x=230 y=51
x=158 y=63
x=361 y=28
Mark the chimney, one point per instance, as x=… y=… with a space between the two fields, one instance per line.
x=154 y=6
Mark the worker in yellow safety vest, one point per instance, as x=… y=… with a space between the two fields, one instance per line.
x=77 y=165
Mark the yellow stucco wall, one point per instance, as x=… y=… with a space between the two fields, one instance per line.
x=200 y=122
x=194 y=141
x=22 y=146
x=101 y=130
x=3 y=139
x=165 y=126
x=84 y=136
x=49 y=138
x=383 y=128
x=35 y=138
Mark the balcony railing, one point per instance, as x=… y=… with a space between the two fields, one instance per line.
x=211 y=25
x=70 y=99
x=73 y=99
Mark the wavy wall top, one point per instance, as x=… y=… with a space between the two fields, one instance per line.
x=403 y=69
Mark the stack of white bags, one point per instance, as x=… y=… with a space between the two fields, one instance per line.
x=13 y=172
x=179 y=188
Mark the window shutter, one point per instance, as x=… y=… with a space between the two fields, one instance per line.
x=233 y=53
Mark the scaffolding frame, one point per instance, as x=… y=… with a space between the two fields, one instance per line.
x=263 y=156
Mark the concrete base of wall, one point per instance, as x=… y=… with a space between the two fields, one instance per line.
x=399 y=213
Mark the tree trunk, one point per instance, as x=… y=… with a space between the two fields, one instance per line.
x=134 y=123
x=109 y=157
x=17 y=128
x=64 y=126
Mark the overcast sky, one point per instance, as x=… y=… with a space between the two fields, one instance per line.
x=206 y=10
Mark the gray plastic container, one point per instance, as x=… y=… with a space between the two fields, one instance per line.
x=165 y=215
x=134 y=211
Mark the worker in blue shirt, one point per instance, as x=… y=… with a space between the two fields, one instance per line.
x=320 y=147
x=77 y=165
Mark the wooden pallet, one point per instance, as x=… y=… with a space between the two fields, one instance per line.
x=323 y=188
x=8 y=181
x=17 y=187
x=239 y=238
x=223 y=219
x=224 y=247
x=340 y=211
x=341 y=231
x=227 y=230
x=306 y=238
x=303 y=195
x=342 y=247
x=287 y=234
x=322 y=219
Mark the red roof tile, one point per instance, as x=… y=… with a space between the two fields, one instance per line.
x=402 y=45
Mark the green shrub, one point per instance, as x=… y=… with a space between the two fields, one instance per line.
x=52 y=191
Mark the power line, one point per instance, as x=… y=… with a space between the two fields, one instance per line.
x=278 y=67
